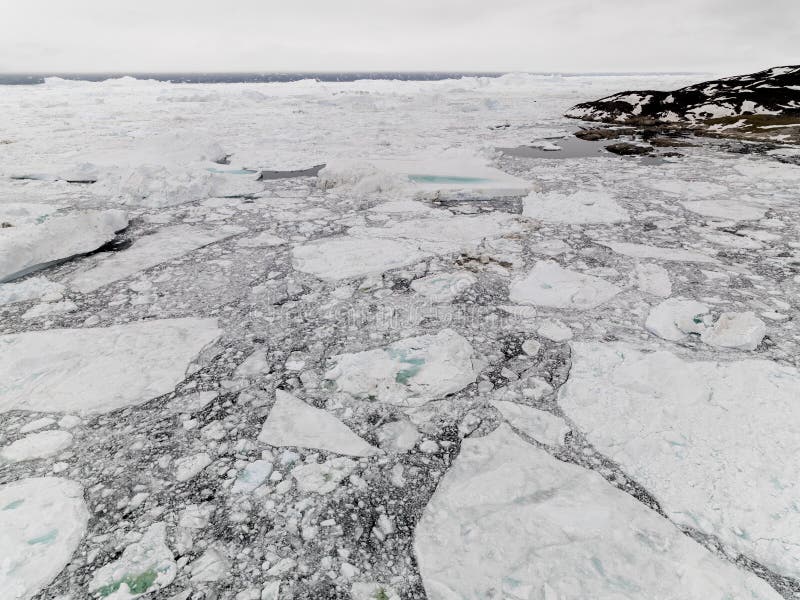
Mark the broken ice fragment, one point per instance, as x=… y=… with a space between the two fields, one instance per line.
x=145 y=566
x=36 y=445
x=42 y=521
x=323 y=478
x=189 y=467
x=98 y=369
x=443 y=287
x=252 y=476
x=292 y=422
x=548 y=284
x=653 y=279
x=538 y=424
x=408 y=372
x=675 y=318
x=740 y=331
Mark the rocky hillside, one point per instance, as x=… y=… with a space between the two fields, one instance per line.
x=763 y=106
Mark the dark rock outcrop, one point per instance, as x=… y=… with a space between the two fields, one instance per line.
x=762 y=106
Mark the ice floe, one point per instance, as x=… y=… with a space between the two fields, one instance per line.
x=42 y=521
x=653 y=279
x=99 y=369
x=42 y=444
x=444 y=287
x=408 y=372
x=45 y=309
x=740 y=331
x=549 y=284
x=725 y=209
x=292 y=422
x=252 y=476
x=654 y=252
x=145 y=566
x=676 y=318
x=583 y=206
x=33 y=288
x=323 y=478
x=29 y=247
x=189 y=467
x=147 y=251
x=542 y=426
x=714 y=442
x=510 y=521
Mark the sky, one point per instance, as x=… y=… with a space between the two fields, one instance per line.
x=56 y=36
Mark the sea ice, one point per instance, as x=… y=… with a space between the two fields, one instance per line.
x=653 y=279
x=408 y=372
x=510 y=521
x=45 y=309
x=147 y=251
x=42 y=521
x=292 y=422
x=33 y=288
x=741 y=331
x=583 y=206
x=714 y=442
x=36 y=445
x=323 y=478
x=654 y=252
x=189 y=467
x=261 y=240
x=97 y=370
x=252 y=476
x=29 y=247
x=145 y=566
x=725 y=209
x=548 y=284
x=675 y=318
x=444 y=287
x=540 y=425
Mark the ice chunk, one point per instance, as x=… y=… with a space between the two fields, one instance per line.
x=548 y=284
x=254 y=365
x=29 y=247
x=653 y=279
x=725 y=209
x=654 y=252
x=555 y=331
x=398 y=436
x=189 y=467
x=24 y=213
x=33 y=288
x=37 y=445
x=583 y=206
x=213 y=565
x=715 y=443
x=408 y=372
x=100 y=369
x=145 y=566
x=45 y=309
x=147 y=251
x=675 y=318
x=42 y=521
x=347 y=257
x=540 y=425
x=323 y=478
x=444 y=287
x=37 y=424
x=261 y=240
x=510 y=521
x=253 y=475
x=741 y=331
x=292 y=422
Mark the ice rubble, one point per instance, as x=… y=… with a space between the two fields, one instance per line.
x=145 y=566
x=408 y=372
x=510 y=521
x=550 y=285
x=42 y=521
x=292 y=422
x=583 y=206
x=540 y=425
x=147 y=251
x=715 y=443
x=444 y=287
x=100 y=369
x=36 y=445
x=443 y=178
x=28 y=247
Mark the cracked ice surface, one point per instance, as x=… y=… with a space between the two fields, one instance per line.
x=695 y=434
x=510 y=521
x=97 y=370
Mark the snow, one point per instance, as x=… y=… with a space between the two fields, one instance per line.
x=100 y=369
x=33 y=288
x=510 y=521
x=163 y=245
x=145 y=566
x=444 y=287
x=42 y=521
x=292 y=422
x=740 y=331
x=675 y=318
x=28 y=247
x=542 y=426
x=549 y=284
x=714 y=442
x=408 y=372
x=36 y=445
x=583 y=206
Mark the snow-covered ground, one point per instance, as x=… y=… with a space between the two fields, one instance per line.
x=432 y=371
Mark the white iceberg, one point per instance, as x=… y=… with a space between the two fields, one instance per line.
x=716 y=443
x=510 y=521
x=98 y=369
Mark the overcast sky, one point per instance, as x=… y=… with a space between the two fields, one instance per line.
x=338 y=35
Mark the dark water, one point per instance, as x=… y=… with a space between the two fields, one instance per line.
x=38 y=78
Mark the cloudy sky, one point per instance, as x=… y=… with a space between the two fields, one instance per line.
x=339 y=35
